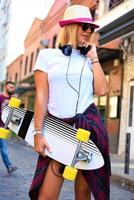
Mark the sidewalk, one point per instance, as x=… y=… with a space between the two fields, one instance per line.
x=118 y=174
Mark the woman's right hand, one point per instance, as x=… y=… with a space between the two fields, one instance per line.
x=40 y=143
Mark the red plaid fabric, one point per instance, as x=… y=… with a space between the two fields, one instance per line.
x=99 y=179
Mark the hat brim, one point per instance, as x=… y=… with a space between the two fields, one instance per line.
x=78 y=21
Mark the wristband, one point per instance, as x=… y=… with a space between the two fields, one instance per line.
x=95 y=62
x=36 y=131
x=92 y=59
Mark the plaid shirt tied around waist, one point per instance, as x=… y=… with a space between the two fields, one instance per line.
x=99 y=179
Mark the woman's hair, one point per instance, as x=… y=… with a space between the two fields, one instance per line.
x=68 y=35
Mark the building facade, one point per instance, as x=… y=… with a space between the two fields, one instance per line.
x=5 y=12
x=116 y=55
x=118 y=25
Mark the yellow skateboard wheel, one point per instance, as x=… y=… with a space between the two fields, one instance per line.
x=70 y=173
x=14 y=102
x=4 y=133
x=83 y=135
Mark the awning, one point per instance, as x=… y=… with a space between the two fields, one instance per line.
x=106 y=54
x=21 y=89
x=29 y=79
x=120 y=27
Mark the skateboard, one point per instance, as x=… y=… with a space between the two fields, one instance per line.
x=70 y=146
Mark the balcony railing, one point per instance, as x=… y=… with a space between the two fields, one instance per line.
x=114 y=3
x=119 y=11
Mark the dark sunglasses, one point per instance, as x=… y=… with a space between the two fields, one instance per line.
x=85 y=26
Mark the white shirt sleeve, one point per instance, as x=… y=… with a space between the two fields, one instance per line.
x=41 y=63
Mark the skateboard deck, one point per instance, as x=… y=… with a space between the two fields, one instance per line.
x=60 y=136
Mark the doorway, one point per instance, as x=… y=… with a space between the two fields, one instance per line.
x=130 y=122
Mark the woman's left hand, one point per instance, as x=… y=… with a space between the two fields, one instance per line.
x=92 y=53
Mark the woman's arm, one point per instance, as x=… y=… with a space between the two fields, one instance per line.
x=99 y=79
x=41 y=101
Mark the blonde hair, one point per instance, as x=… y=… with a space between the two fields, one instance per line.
x=68 y=35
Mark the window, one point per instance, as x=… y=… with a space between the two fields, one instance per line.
x=31 y=62
x=130 y=117
x=114 y=106
x=20 y=67
x=16 y=77
x=54 y=41
x=101 y=103
x=93 y=13
x=37 y=52
x=114 y=3
x=26 y=62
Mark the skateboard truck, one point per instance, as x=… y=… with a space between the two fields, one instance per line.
x=16 y=119
x=4 y=131
x=83 y=156
x=70 y=172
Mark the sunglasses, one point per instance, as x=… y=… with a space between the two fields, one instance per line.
x=85 y=27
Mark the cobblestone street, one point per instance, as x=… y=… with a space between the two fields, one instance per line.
x=16 y=186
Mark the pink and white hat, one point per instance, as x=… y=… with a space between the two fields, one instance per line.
x=77 y=14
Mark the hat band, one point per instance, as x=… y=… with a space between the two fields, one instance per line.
x=76 y=20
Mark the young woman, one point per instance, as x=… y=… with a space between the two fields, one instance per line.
x=65 y=82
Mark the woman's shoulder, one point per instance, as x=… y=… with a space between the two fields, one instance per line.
x=49 y=51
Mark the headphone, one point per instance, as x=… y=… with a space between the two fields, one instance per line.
x=67 y=49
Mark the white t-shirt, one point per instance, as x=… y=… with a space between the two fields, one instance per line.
x=64 y=87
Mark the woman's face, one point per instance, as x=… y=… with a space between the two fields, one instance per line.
x=82 y=35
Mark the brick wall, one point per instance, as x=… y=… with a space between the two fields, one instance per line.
x=14 y=70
